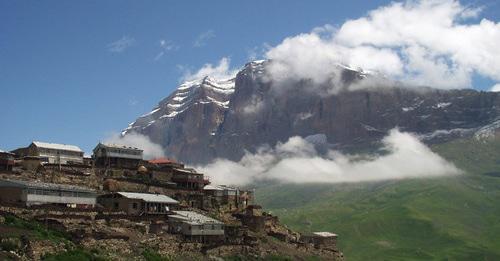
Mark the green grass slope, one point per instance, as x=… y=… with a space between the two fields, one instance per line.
x=453 y=218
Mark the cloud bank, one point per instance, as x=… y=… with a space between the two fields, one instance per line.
x=495 y=88
x=151 y=149
x=439 y=43
x=298 y=161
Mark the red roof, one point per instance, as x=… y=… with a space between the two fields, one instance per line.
x=162 y=161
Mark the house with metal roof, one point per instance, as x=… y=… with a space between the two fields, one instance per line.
x=187 y=178
x=115 y=155
x=55 y=153
x=220 y=190
x=226 y=195
x=195 y=226
x=138 y=203
x=29 y=193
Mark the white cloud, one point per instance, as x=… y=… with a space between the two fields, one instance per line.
x=312 y=56
x=495 y=88
x=430 y=42
x=202 y=39
x=133 y=139
x=121 y=45
x=297 y=161
x=220 y=71
x=166 y=46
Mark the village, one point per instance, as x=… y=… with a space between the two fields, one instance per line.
x=116 y=201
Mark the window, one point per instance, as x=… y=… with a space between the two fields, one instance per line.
x=116 y=205
x=134 y=205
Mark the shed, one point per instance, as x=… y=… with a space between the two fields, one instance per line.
x=31 y=163
x=320 y=239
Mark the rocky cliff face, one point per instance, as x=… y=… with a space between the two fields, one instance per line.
x=209 y=118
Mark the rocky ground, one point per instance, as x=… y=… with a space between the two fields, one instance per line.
x=25 y=235
x=62 y=234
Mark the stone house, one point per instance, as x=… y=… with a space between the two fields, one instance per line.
x=119 y=156
x=138 y=203
x=6 y=160
x=189 y=179
x=325 y=240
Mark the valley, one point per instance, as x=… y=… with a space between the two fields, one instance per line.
x=421 y=219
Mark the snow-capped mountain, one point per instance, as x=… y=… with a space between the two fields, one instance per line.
x=201 y=91
x=208 y=118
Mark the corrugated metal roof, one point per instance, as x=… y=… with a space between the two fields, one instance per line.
x=148 y=197
x=219 y=187
x=210 y=187
x=162 y=161
x=57 y=146
x=41 y=185
x=325 y=234
x=195 y=218
x=119 y=146
x=187 y=170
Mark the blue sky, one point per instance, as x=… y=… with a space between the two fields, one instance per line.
x=77 y=71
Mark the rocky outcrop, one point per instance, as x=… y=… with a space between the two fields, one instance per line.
x=212 y=118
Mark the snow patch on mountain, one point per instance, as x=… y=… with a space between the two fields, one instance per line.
x=487 y=131
x=413 y=107
x=441 y=105
x=151 y=112
x=188 y=94
x=442 y=134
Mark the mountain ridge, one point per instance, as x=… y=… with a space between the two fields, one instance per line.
x=208 y=118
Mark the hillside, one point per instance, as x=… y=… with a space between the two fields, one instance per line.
x=445 y=218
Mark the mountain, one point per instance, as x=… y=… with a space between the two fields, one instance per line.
x=208 y=118
x=447 y=218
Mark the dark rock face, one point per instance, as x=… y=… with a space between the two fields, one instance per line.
x=225 y=118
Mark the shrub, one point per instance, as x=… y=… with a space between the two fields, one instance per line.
x=73 y=255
